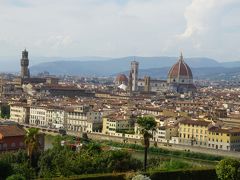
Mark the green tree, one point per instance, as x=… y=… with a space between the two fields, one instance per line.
x=16 y=177
x=228 y=169
x=32 y=143
x=5 y=111
x=5 y=169
x=121 y=161
x=147 y=125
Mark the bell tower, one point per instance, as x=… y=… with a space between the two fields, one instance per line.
x=24 y=65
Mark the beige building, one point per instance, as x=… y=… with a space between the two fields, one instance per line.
x=84 y=119
x=165 y=133
x=117 y=123
x=77 y=118
x=19 y=113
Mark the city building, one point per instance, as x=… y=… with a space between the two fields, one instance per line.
x=11 y=138
x=56 y=117
x=193 y=132
x=180 y=78
x=38 y=116
x=20 y=113
x=165 y=133
x=77 y=118
x=152 y=85
x=224 y=138
x=117 y=123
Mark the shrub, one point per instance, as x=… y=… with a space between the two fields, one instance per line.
x=228 y=169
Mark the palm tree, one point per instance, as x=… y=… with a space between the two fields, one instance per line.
x=32 y=142
x=147 y=125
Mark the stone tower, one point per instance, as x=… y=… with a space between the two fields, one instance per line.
x=147 y=80
x=130 y=83
x=24 y=65
x=134 y=71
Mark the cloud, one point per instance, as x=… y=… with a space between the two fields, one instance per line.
x=120 y=27
x=207 y=27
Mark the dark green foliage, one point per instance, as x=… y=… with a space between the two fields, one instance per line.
x=112 y=176
x=228 y=169
x=16 y=177
x=121 y=161
x=5 y=170
x=61 y=161
x=172 y=153
x=201 y=174
x=147 y=122
x=19 y=163
x=5 y=111
x=24 y=169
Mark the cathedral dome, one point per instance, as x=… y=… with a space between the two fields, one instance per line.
x=180 y=72
x=121 y=79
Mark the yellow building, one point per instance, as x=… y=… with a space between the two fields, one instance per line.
x=117 y=123
x=193 y=132
x=224 y=138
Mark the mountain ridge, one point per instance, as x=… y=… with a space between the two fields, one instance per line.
x=112 y=66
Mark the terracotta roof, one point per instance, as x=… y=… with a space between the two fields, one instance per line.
x=11 y=130
x=180 y=69
x=121 y=78
x=223 y=130
x=193 y=122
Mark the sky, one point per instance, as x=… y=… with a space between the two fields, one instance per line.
x=118 y=28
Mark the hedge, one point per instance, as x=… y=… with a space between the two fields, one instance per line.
x=197 y=174
x=190 y=174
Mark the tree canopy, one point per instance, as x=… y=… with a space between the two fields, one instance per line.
x=228 y=169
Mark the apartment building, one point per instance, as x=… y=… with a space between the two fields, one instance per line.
x=224 y=138
x=38 y=116
x=165 y=133
x=117 y=123
x=77 y=118
x=19 y=113
x=56 y=117
x=193 y=132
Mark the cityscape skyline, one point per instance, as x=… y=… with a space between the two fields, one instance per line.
x=121 y=28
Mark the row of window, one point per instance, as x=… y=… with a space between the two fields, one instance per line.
x=13 y=145
x=194 y=130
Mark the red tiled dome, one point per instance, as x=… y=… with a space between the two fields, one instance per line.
x=121 y=79
x=180 y=69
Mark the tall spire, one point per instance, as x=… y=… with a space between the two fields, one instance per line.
x=181 y=56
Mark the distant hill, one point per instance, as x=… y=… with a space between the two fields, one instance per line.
x=198 y=73
x=12 y=64
x=113 y=66
x=156 y=67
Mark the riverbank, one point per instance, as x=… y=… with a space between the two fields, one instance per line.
x=201 y=160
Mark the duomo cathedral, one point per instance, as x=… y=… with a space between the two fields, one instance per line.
x=179 y=80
